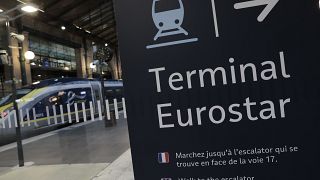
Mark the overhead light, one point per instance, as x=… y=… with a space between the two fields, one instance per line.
x=29 y=8
x=1 y=10
x=77 y=26
x=106 y=44
x=29 y=55
x=63 y=27
x=33 y=64
x=66 y=68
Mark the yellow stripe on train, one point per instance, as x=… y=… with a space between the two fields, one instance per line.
x=25 y=98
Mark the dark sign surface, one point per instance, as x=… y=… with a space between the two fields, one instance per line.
x=222 y=89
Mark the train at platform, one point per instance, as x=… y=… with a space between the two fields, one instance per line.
x=47 y=105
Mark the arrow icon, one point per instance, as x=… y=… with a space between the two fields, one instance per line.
x=270 y=4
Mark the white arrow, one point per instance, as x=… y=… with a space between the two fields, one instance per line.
x=270 y=5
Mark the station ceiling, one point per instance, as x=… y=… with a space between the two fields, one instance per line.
x=91 y=18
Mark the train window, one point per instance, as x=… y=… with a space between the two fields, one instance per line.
x=54 y=99
x=97 y=93
x=118 y=94
x=57 y=98
x=5 y=100
x=109 y=94
x=22 y=92
x=67 y=97
x=8 y=99
x=165 y=5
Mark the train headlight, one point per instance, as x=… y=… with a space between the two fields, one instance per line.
x=53 y=99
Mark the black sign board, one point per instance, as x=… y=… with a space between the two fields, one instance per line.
x=222 y=89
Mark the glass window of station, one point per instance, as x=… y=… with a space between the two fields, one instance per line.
x=58 y=59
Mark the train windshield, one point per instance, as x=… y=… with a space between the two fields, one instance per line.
x=8 y=99
x=166 y=5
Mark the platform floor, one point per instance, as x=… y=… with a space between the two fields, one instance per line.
x=82 y=151
x=120 y=169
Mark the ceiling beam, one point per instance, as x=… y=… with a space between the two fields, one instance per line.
x=107 y=32
x=107 y=17
x=114 y=40
x=103 y=23
x=71 y=7
x=93 y=8
x=111 y=36
x=105 y=7
x=50 y=17
x=114 y=43
x=53 y=3
x=109 y=23
x=104 y=30
x=44 y=17
x=98 y=16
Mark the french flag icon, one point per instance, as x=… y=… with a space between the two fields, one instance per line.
x=163 y=158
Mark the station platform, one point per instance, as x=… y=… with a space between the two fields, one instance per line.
x=85 y=151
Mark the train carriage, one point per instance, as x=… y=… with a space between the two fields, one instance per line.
x=46 y=105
